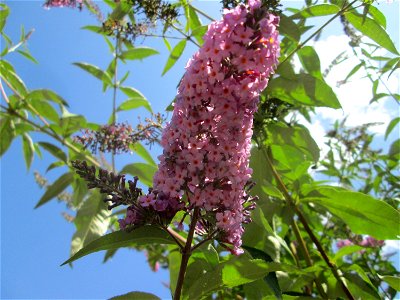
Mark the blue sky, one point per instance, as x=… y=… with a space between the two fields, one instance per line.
x=35 y=242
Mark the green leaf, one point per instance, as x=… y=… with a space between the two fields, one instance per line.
x=174 y=56
x=118 y=239
x=27 y=55
x=371 y=29
x=133 y=103
x=28 y=149
x=317 y=11
x=138 y=53
x=296 y=136
x=391 y=126
x=394 y=150
x=46 y=110
x=136 y=296
x=96 y=72
x=195 y=21
x=14 y=80
x=7 y=133
x=310 y=61
x=271 y=278
x=91 y=222
x=4 y=12
x=289 y=28
x=44 y=95
x=145 y=172
x=377 y=15
x=362 y=213
x=120 y=11
x=70 y=123
x=393 y=281
x=56 y=188
x=199 y=33
x=54 y=150
x=354 y=70
x=143 y=153
x=346 y=251
x=303 y=89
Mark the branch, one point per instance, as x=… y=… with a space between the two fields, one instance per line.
x=304 y=222
x=186 y=252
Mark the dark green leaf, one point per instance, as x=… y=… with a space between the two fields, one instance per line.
x=174 y=56
x=303 y=89
x=138 y=53
x=317 y=11
x=371 y=29
x=271 y=278
x=28 y=149
x=136 y=296
x=289 y=28
x=7 y=133
x=118 y=239
x=91 y=222
x=310 y=61
x=362 y=213
x=96 y=72
x=145 y=172
x=56 y=188
x=120 y=11
x=391 y=126
x=394 y=150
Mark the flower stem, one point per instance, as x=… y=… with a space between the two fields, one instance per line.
x=186 y=253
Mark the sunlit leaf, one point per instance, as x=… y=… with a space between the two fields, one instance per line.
x=118 y=239
x=316 y=11
x=95 y=71
x=393 y=281
x=138 y=53
x=143 y=153
x=46 y=95
x=371 y=29
x=391 y=126
x=136 y=296
x=7 y=133
x=145 y=172
x=310 y=61
x=174 y=56
x=28 y=149
x=362 y=213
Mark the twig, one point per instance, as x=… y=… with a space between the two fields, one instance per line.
x=186 y=252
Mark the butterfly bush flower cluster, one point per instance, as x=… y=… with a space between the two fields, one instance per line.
x=205 y=162
x=63 y=3
x=369 y=241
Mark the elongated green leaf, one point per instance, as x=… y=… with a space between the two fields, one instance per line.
x=28 y=149
x=4 y=12
x=174 y=56
x=93 y=28
x=56 y=188
x=95 y=71
x=133 y=103
x=143 y=153
x=145 y=172
x=14 y=80
x=46 y=95
x=54 y=150
x=393 y=281
x=118 y=239
x=91 y=222
x=71 y=123
x=317 y=11
x=372 y=29
x=362 y=213
x=45 y=110
x=310 y=61
x=377 y=15
x=198 y=34
x=235 y=272
x=27 y=55
x=138 y=53
x=303 y=89
x=289 y=28
x=346 y=251
x=391 y=126
x=120 y=11
x=7 y=134
x=271 y=278
x=136 y=296
x=195 y=21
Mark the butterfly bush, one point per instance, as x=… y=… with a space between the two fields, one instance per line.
x=205 y=162
x=63 y=3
